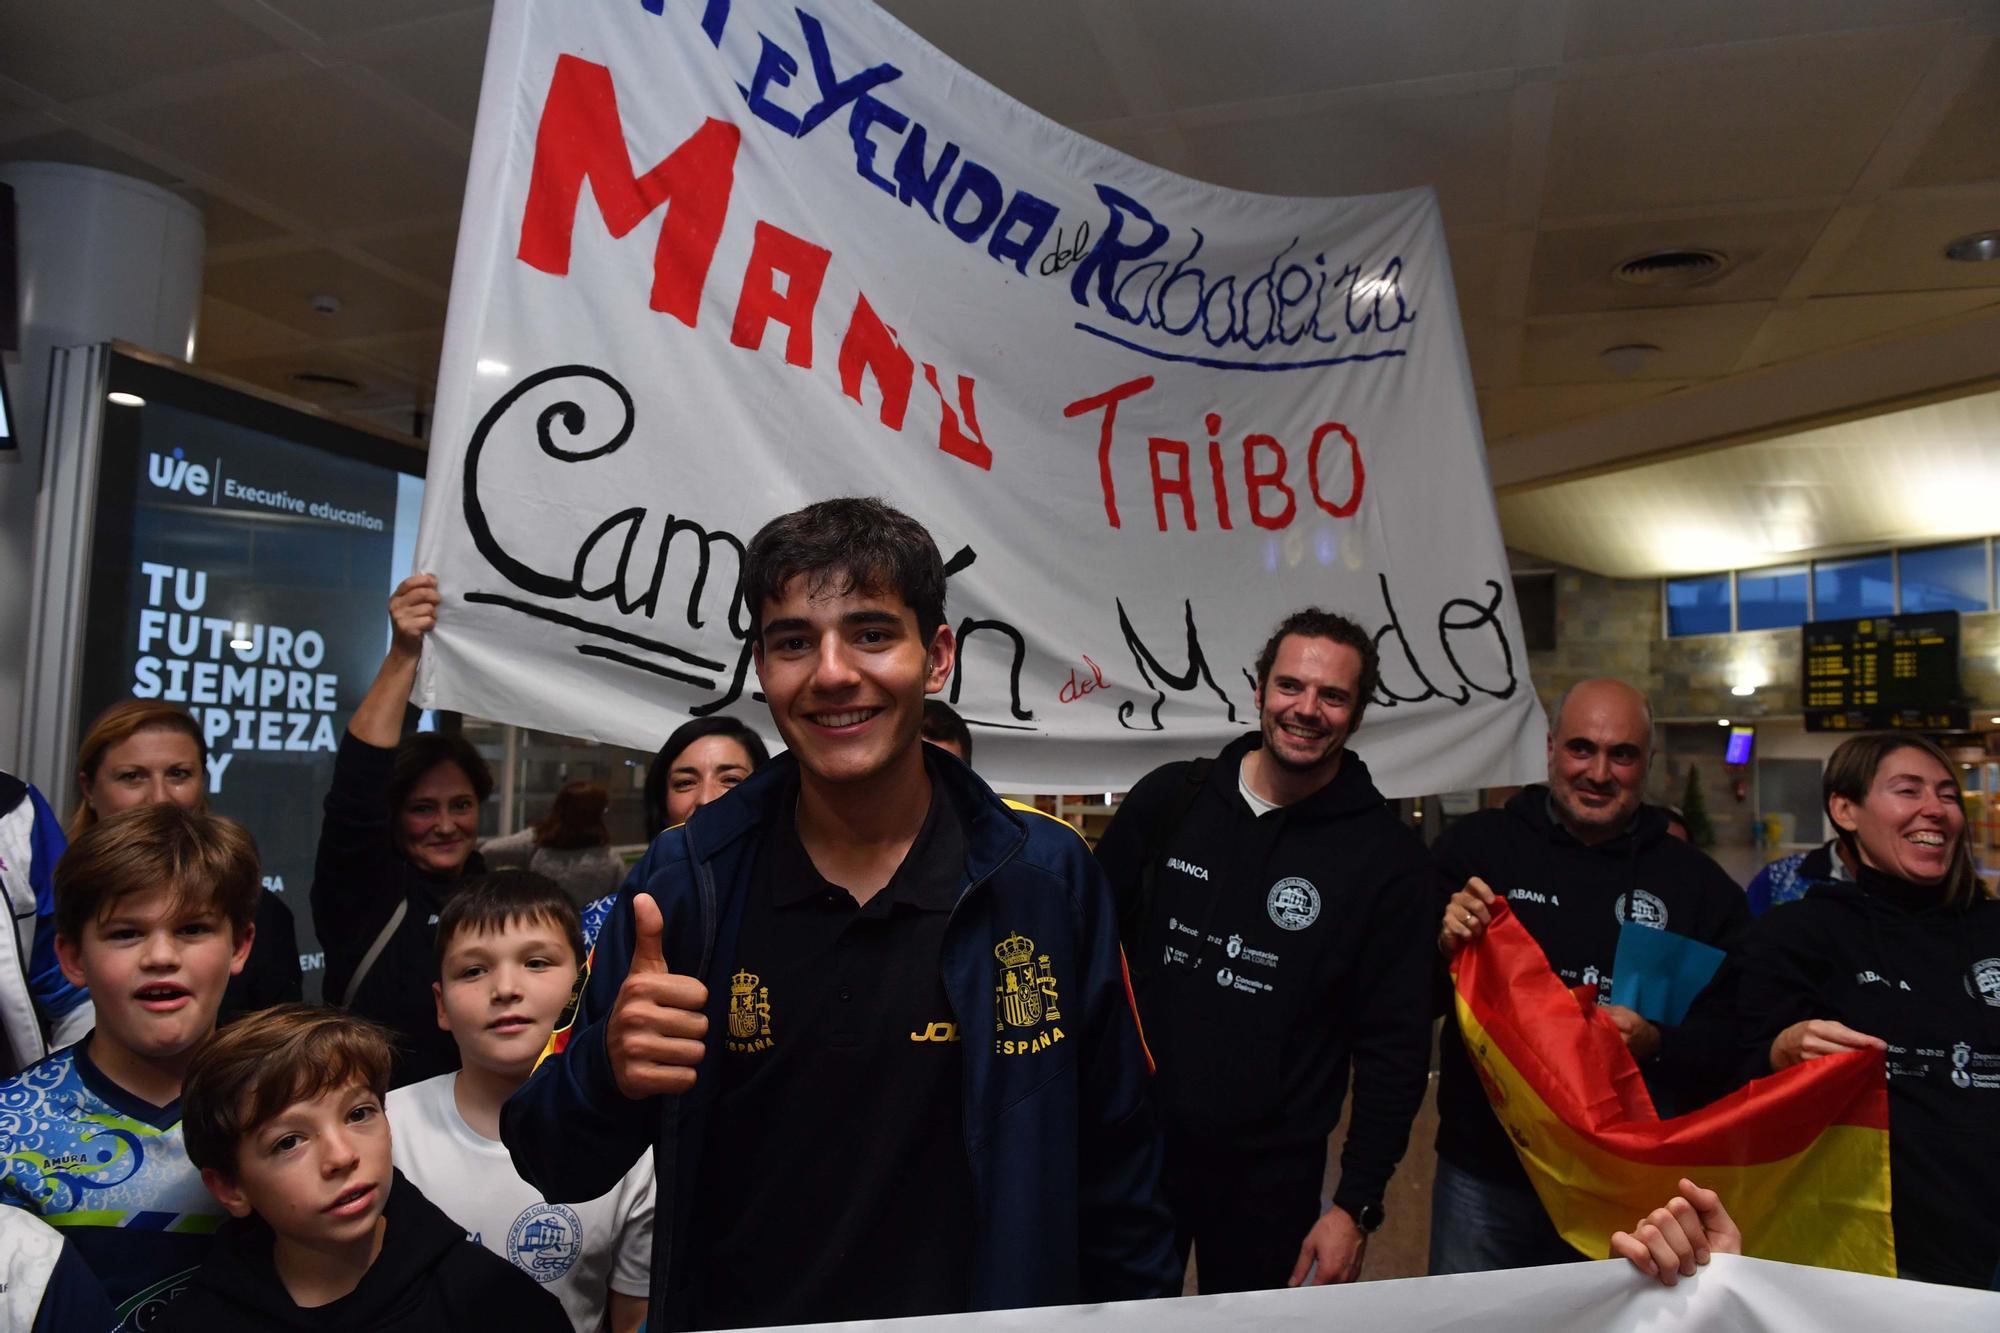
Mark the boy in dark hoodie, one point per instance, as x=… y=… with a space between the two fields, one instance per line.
x=283 y=1115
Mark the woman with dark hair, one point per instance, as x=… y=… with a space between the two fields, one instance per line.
x=700 y=761
x=150 y=752
x=401 y=824
x=571 y=845
x=1905 y=957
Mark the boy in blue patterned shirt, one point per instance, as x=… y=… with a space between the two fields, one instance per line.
x=153 y=910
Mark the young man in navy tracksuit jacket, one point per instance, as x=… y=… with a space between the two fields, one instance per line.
x=871 y=1020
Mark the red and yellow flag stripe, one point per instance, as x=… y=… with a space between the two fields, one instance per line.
x=1801 y=1157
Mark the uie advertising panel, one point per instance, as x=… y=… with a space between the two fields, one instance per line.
x=243 y=558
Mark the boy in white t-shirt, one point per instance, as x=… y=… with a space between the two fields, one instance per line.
x=509 y=948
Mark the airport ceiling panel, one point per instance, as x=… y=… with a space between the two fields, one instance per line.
x=1280 y=48
x=1772 y=121
x=1828 y=322
x=1381 y=139
x=1826 y=150
x=1508 y=411
x=1904 y=478
x=1966 y=147
x=1896 y=246
x=79 y=49
x=1619 y=28
x=1695 y=342
x=305 y=143
x=1045 y=53
x=1575 y=265
x=280 y=287
x=229 y=333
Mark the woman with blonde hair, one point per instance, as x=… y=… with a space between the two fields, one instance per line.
x=1904 y=959
x=138 y=752
x=148 y=752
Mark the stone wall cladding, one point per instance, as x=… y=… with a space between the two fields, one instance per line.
x=1614 y=627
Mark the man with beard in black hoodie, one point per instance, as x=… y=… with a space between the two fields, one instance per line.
x=1277 y=918
x=1575 y=860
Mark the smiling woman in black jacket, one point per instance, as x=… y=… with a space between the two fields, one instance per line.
x=401 y=823
x=1905 y=958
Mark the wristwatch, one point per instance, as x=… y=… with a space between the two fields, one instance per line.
x=1368 y=1216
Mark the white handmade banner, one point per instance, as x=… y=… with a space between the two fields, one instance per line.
x=722 y=259
x=1730 y=1295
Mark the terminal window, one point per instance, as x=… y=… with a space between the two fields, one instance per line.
x=1771 y=598
x=1946 y=578
x=1861 y=586
x=1698 y=605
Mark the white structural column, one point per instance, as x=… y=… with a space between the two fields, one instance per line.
x=102 y=257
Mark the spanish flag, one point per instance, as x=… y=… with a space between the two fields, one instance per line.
x=1801 y=1158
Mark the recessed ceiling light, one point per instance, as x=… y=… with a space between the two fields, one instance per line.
x=1977 y=248
x=123 y=399
x=1628 y=358
x=1722 y=722
x=1743 y=691
x=1672 y=268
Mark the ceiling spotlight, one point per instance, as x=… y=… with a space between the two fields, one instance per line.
x=1742 y=691
x=1722 y=722
x=123 y=399
x=1628 y=358
x=1977 y=248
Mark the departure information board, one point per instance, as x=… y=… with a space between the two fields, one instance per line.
x=1883 y=672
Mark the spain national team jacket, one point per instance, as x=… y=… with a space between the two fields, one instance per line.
x=1059 y=1132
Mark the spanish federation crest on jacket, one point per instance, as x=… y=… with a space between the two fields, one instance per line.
x=749 y=1013
x=1025 y=1016
x=1059 y=1131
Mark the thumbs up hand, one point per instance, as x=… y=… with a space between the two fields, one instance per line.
x=657 y=1025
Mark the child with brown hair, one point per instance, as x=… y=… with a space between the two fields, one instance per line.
x=153 y=914
x=509 y=950
x=284 y=1119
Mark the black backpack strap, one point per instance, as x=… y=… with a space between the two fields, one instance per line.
x=1137 y=908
